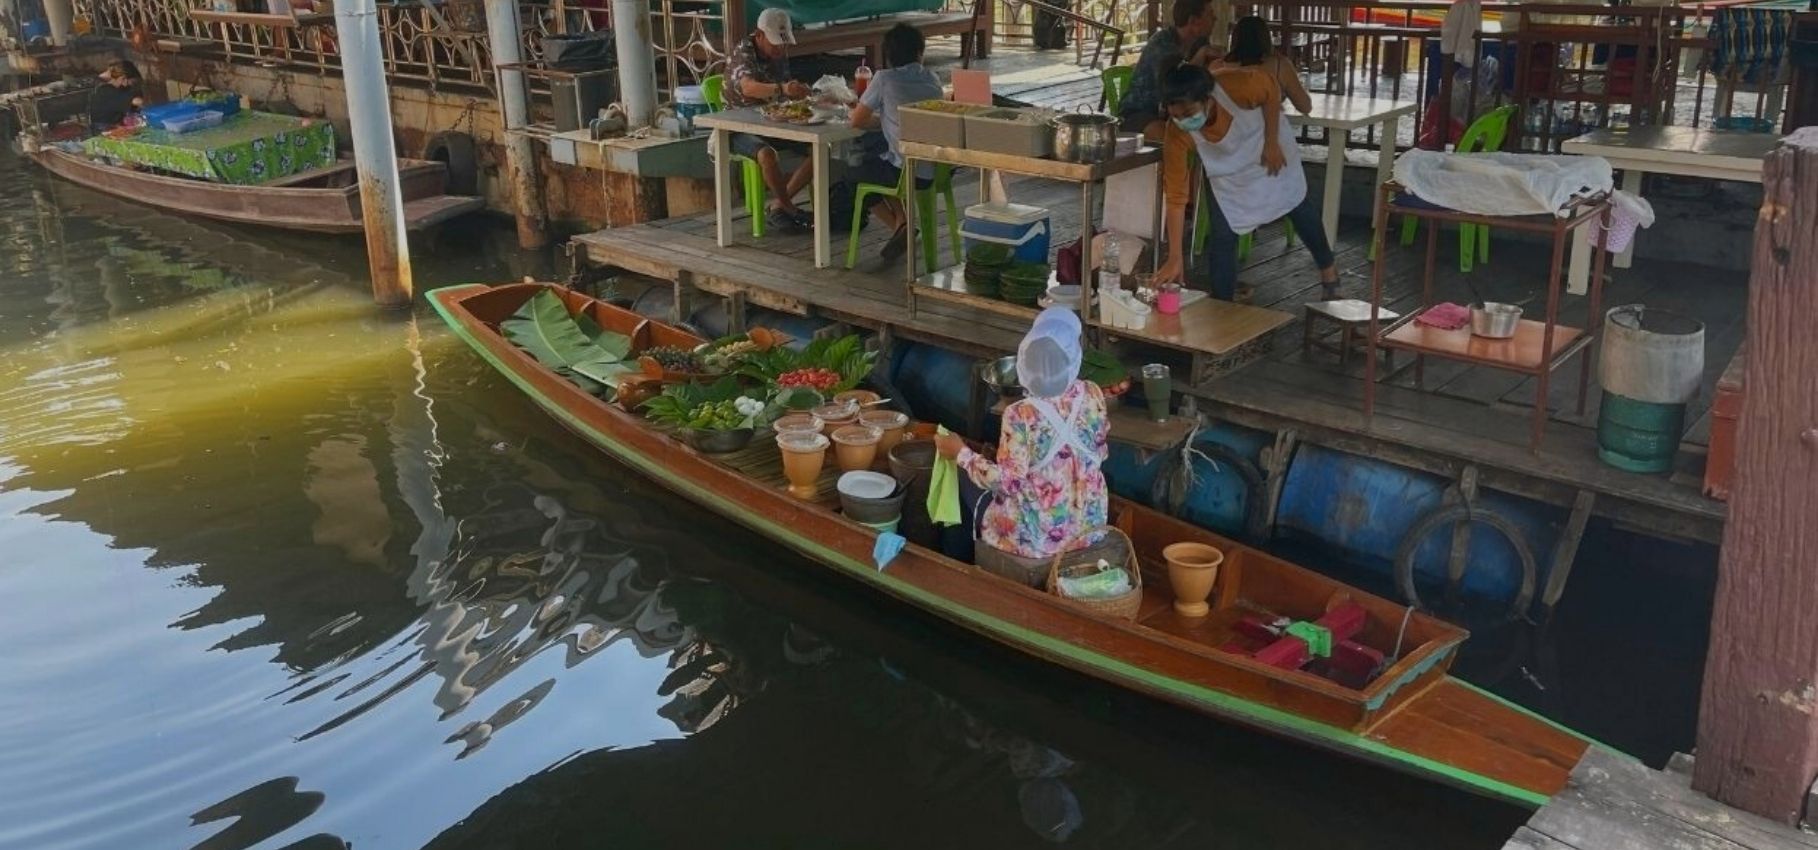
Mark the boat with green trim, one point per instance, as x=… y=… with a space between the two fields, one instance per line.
x=1285 y=650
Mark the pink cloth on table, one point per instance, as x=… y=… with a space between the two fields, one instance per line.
x=1445 y=315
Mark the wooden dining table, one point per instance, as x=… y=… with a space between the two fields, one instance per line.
x=820 y=139
x=1342 y=114
x=1685 y=151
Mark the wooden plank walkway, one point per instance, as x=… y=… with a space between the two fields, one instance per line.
x=1613 y=802
x=1464 y=415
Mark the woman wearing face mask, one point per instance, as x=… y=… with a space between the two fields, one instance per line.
x=1233 y=123
x=1047 y=484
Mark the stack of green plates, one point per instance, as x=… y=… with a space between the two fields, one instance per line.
x=1024 y=283
x=984 y=264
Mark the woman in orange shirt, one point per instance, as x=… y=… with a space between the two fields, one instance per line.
x=1234 y=124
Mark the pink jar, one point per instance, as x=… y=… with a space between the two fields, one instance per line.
x=1167 y=299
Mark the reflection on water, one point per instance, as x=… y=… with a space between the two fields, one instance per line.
x=283 y=572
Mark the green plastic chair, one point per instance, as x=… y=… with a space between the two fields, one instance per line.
x=924 y=214
x=713 y=90
x=1116 y=80
x=1484 y=135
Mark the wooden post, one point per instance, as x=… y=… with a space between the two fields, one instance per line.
x=1758 y=719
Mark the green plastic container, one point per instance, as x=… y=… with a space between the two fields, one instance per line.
x=1638 y=436
x=883 y=527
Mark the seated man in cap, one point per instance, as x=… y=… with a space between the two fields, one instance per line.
x=756 y=72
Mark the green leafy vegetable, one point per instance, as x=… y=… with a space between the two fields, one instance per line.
x=612 y=342
x=1102 y=368
x=845 y=355
x=680 y=402
x=544 y=328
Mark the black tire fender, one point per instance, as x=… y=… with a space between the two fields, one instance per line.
x=1444 y=517
x=459 y=152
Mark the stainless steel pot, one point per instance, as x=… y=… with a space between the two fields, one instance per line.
x=1086 y=137
x=1493 y=320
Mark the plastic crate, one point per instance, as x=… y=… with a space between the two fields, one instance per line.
x=158 y=113
x=200 y=121
x=935 y=122
x=1018 y=132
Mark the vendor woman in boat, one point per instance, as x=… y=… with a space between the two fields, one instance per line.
x=120 y=94
x=1047 y=484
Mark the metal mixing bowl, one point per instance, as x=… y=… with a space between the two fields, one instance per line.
x=1494 y=320
x=1000 y=376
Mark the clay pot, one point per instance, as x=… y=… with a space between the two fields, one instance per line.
x=893 y=425
x=798 y=423
x=1192 y=571
x=836 y=415
x=803 y=456
x=857 y=397
x=855 y=446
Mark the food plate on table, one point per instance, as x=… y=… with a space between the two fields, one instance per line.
x=792 y=112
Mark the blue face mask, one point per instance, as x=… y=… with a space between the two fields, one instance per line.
x=1192 y=123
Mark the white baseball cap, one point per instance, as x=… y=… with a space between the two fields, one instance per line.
x=774 y=24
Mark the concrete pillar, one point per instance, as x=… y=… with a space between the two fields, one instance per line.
x=369 y=113
x=637 y=61
x=514 y=105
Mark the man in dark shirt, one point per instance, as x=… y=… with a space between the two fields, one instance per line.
x=757 y=72
x=119 y=95
x=1141 y=109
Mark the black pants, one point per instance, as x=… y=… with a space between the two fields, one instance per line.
x=1222 y=247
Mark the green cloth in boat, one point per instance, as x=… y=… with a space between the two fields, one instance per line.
x=247 y=149
x=1317 y=637
x=943 y=490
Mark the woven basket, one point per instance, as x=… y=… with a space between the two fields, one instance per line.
x=1123 y=607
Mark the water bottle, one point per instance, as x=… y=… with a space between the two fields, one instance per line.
x=1110 y=275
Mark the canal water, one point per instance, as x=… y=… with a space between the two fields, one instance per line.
x=280 y=571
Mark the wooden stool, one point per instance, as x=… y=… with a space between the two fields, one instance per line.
x=1353 y=320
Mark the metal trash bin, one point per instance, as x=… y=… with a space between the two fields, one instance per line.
x=1651 y=365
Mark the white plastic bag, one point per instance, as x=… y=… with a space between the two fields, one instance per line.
x=832 y=89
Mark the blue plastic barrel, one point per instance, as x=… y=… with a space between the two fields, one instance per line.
x=933 y=382
x=1219 y=499
x=1361 y=509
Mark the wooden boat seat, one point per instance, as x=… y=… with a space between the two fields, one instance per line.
x=429 y=212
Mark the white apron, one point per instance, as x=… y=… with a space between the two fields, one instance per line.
x=1243 y=189
x=1065 y=434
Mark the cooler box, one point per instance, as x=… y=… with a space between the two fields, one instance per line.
x=1022 y=227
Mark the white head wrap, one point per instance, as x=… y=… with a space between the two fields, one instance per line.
x=1048 y=360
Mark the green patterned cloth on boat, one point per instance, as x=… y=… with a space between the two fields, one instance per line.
x=247 y=149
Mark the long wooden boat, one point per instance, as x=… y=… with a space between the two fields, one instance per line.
x=323 y=200
x=1408 y=714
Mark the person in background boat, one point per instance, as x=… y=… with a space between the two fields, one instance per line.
x=1235 y=125
x=1251 y=47
x=120 y=94
x=903 y=81
x=1141 y=109
x=1047 y=480
x=758 y=72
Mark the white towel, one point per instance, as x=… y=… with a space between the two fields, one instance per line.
x=1501 y=183
x=1463 y=19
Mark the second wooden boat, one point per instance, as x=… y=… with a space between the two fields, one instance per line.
x=1404 y=712
x=324 y=200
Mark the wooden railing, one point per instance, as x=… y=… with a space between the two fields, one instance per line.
x=1350 y=46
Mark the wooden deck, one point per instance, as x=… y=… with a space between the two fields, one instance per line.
x=1613 y=802
x=1465 y=415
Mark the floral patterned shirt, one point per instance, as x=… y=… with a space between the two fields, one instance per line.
x=1043 y=508
x=748 y=63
